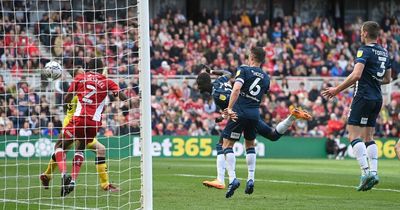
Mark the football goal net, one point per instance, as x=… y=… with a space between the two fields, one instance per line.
x=117 y=169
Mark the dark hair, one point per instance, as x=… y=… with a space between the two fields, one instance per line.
x=73 y=71
x=68 y=64
x=95 y=65
x=203 y=80
x=372 y=28
x=258 y=54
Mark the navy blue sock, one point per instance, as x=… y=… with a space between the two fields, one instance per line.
x=228 y=150
x=369 y=143
x=251 y=151
x=355 y=141
x=220 y=151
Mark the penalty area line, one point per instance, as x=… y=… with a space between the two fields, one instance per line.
x=38 y=203
x=293 y=182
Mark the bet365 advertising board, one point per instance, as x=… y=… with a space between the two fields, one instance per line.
x=184 y=146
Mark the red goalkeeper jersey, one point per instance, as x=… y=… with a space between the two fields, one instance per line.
x=91 y=89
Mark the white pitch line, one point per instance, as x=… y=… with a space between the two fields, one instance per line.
x=293 y=182
x=40 y=204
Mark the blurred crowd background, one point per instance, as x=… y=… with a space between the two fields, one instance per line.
x=295 y=48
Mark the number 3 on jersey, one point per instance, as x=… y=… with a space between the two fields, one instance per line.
x=255 y=87
x=86 y=98
x=382 y=60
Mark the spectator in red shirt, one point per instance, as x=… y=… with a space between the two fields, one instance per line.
x=282 y=110
x=274 y=87
x=334 y=125
x=164 y=69
x=181 y=131
x=301 y=91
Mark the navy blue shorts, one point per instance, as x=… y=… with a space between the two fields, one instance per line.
x=233 y=130
x=364 y=112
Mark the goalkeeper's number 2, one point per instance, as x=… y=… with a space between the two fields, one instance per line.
x=86 y=98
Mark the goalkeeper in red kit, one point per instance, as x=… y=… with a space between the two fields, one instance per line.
x=91 y=88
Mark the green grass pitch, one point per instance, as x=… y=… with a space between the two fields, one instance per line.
x=280 y=184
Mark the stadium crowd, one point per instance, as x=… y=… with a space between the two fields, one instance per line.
x=178 y=46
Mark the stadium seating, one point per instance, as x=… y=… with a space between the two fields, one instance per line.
x=315 y=49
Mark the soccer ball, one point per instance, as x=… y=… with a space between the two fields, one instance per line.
x=53 y=70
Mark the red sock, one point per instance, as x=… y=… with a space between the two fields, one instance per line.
x=76 y=164
x=60 y=159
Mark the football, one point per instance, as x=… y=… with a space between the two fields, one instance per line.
x=53 y=70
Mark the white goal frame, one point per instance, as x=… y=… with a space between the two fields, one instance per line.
x=145 y=105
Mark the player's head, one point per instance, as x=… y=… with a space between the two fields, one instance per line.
x=257 y=56
x=204 y=82
x=75 y=71
x=95 y=65
x=69 y=66
x=369 y=31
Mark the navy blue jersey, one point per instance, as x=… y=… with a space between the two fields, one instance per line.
x=376 y=61
x=255 y=84
x=221 y=92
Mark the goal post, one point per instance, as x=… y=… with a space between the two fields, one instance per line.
x=145 y=106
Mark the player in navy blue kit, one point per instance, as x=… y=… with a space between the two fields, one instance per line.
x=251 y=83
x=372 y=69
x=220 y=90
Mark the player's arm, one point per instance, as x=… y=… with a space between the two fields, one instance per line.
x=68 y=97
x=67 y=101
x=235 y=94
x=221 y=72
x=70 y=94
x=361 y=59
x=232 y=100
x=387 y=78
x=116 y=91
x=239 y=81
x=350 y=80
x=121 y=95
x=217 y=72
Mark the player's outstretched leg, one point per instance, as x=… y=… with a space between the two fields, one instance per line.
x=219 y=182
x=275 y=134
x=269 y=133
x=300 y=114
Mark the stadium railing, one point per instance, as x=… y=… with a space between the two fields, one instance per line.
x=294 y=82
